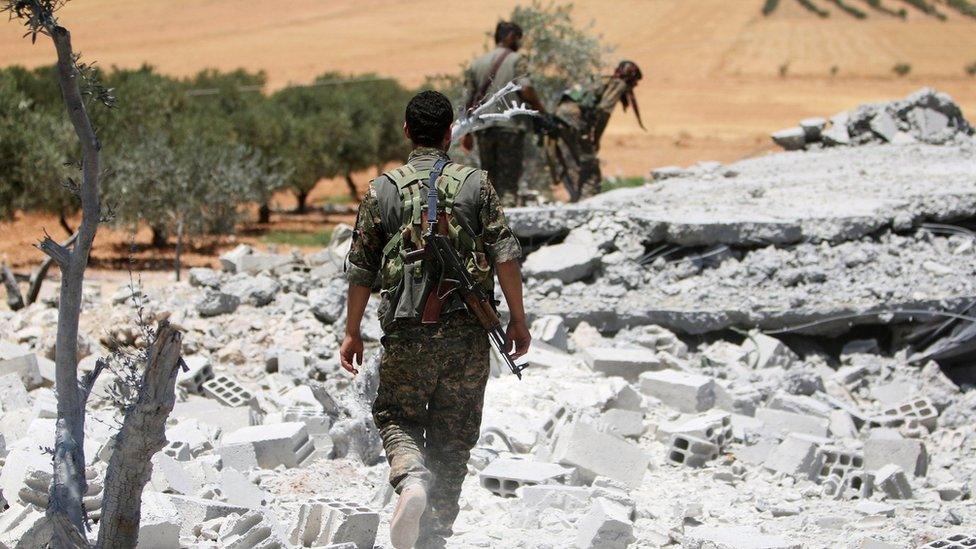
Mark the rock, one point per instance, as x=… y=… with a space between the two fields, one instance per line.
x=885 y=126
x=626 y=363
x=214 y=303
x=204 y=278
x=551 y=329
x=791 y=139
x=606 y=526
x=734 y=537
x=230 y=261
x=812 y=128
x=328 y=304
x=566 y=262
x=257 y=290
x=584 y=447
x=684 y=392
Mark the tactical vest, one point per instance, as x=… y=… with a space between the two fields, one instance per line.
x=402 y=204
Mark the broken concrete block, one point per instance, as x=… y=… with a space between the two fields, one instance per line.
x=24 y=527
x=159 y=522
x=954 y=541
x=799 y=404
x=238 y=489
x=194 y=511
x=626 y=363
x=178 y=450
x=840 y=462
x=891 y=480
x=788 y=422
x=584 y=447
x=25 y=367
x=812 y=128
x=201 y=277
x=607 y=525
x=227 y=391
x=214 y=303
x=567 y=262
x=551 y=329
x=691 y=451
x=734 y=537
x=198 y=371
x=326 y=521
x=684 y=392
x=316 y=421
x=543 y=356
x=624 y=423
x=551 y=495
x=875 y=508
x=266 y=446
x=627 y=398
x=791 y=139
x=504 y=476
x=884 y=126
x=714 y=426
x=230 y=260
x=292 y=364
x=918 y=408
x=13 y=393
x=256 y=263
x=256 y=290
x=252 y=530
x=795 y=457
x=909 y=454
x=841 y=424
x=763 y=351
x=171 y=476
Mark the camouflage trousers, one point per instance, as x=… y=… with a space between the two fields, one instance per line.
x=501 y=152
x=573 y=159
x=428 y=411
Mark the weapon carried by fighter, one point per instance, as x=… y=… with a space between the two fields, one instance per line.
x=454 y=277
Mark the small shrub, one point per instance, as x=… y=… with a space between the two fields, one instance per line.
x=902 y=69
x=834 y=70
x=784 y=69
x=971 y=69
x=769 y=7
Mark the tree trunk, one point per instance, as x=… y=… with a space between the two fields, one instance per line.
x=264 y=213
x=68 y=487
x=179 y=247
x=14 y=298
x=353 y=192
x=63 y=221
x=158 y=237
x=302 y=197
x=143 y=434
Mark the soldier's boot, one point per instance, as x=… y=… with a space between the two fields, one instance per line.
x=405 y=524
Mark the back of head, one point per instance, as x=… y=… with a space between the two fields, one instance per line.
x=429 y=117
x=506 y=28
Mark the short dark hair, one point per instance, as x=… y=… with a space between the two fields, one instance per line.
x=504 y=28
x=429 y=115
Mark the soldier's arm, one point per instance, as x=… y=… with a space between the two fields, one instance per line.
x=527 y=93
x=504 y=251
x=364 y=261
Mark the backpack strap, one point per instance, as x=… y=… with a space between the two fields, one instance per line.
x=456 y=175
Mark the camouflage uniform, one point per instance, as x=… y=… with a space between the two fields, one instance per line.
x=583 y=114
x=500 y=147
x=432 y=376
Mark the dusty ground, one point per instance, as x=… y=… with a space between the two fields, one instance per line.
x=712 y=89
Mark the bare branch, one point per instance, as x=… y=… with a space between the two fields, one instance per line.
x=58 y=253
x=87 y=381
x=37 y=279
x=14 y=298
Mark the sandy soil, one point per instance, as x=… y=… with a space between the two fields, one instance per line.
x=712 y=89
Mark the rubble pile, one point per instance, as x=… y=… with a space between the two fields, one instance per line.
x=925 y=116
x=630 y=437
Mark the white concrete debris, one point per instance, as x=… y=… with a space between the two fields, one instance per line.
x=663 y=407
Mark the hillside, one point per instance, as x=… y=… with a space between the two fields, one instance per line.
x=713 y=86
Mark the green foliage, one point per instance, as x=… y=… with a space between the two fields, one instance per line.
x=926 y=7
x=902 y=69
x=769 y=7
x=559 y=52
x=317 y=239
x=614 y=183
x=851 y=10
x=971 y=69
x=965 y=7
x=812 y=7
x=877 y=5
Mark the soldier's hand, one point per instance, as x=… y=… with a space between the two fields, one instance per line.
x=467 y=142
x=351 y=349
x=518 y=335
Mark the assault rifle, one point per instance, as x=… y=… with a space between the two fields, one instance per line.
x=454 y=277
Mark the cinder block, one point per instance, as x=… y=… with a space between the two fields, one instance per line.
x=504 y=476
x=316 y=421
x=920 y=409
x=24 y=366
x=326 y=521
x=795 y=456
x=691 y=451
x=193 y=511
x=841 y=424
x=840 y=462
x=891 y=480
x=625 y=423
x=607 y=525
x=799 y=404
x=545 y=438
x=237 y=489
x=159 y=523
x=954 y=541
x=687 y=393
x=714 y=426
x=854 y=485
x=248 y=531
x=626 y=363
x=789 y=422
x=584 y=447
x=266 y=446
x=199 y=371
x=909 y=454
x=227 y=391
x=178 y=450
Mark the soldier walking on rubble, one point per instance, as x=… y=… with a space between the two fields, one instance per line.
x=432 y=375
x=581 y=117
x=500 y=146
